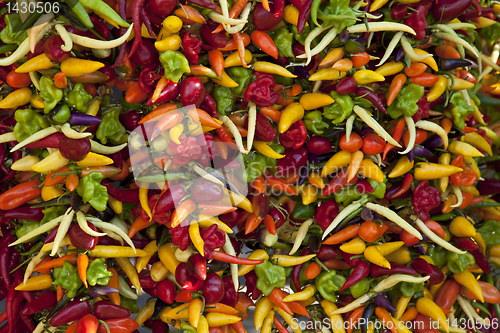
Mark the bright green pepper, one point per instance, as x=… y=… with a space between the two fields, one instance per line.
x=303 y=212
x=188 y=328
x=175 y=65
x=98 y=273
x=491 y=33
x=286 y=81
x=360 y=288
x=408 y=289
x=26 y=227
x=78 y=98
x=62 y=114
x=224 y=98
x=340 y=110
x=255 y=165
x=67 y=277
x=242 y=76
x=50 y=93
x=271 y=162
x=51 y=213
x=28 y=123
x=269 y=277
x=458 y=109
x=328 y=283
x=406 y=101
x=314 y=122
x=91 y=190
x=378 y=188
x=111 y=128
x=337 y=13
x=301 y=38
x=489 y=232
x=130 y=304
x=347 y=195
x=283 y=39
x=12 y=22
x=457 y=263
x=438 y=255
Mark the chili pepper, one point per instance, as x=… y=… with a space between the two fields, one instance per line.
x=377 y=271
x=129 y=195
x=359 y=273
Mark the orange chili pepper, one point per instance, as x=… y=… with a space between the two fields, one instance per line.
x=398 y=132
x=446 y=124
x=215 y=209
x=138 y=225
x=415 y=69
x=60 y=80
x=204 y=118
x=265 y=42
x=83 y=263
x=313 y=270
x=220 y=308
x=425 y=79
x=353 y=318
x=252 y=223
x=241 y=48
x=343 y=235
x=216 y=60
x=52 y=180
x=231 y=44
x=72 y=327
x=259 y=184
x=72 y=182
x=395 y=87
x=114 y=283
x=360 y=59
x=192 y=13
x=166 y=122
x=60 y=293
x=162 y=83
x=276 y=296
x=279 y=184
x=447 y=52
x=182 y=211
x=271 y=112
x=58 y=262
x=222 y=147
x=161 y=110
x=384 y=315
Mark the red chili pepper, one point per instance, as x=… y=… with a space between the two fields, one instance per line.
x=119 y=325
x=418 y=22
x=295 y=136
x=421 y=266
x=27 y=321
x=348 y=258
x=184 y=296
x=359 y=272
x=191 y=46
x=45 y=300
x=106 y=310
x=407 y=182
x=338 y=182
x=224 y=257
x=372 y=97
x=20 y=195
x=297 y=269
x=51 y=141
x=304 y=14
x=17 y=155
x=74 y=310
x=169 y=93
x=481 y=260
x=447 y=294
x=377 y=271
x=213 y=238
x=5 y=256
x=129 y=195
x=25 y=213
x=326 y=212
x=261 y=90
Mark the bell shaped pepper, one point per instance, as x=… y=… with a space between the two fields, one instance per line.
x=489 y=232
x=347 y=195
x=111 y=128
x=406 y=101
x=314 y=123
x=51 y=213
x=255 y=165
x=303 y=212
x=438 y=255
x=328 y=283
x=98 y=273
x=25 y=228
x=67 y=278
x=92 y=191
x=175 y=65
x=78 y=98
x=457 y=263
x=360 y=288
x=336 y=13
x=61 y=114
x=340 y=110
x=242 y=76
x=50 y=93
x=269 y=277
x=458 y=109
x=408 y=289
x=28 y=123
x=224 y=98
x=283 y=39
x=378 y=188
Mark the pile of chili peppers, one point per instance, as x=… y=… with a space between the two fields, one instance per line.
x=322 y=162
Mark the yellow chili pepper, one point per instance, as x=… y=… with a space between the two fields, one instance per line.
x=354 y=246
x=226 y=81
x=234 y=59
x=166 y=254
x=145 y=313
x=50 y=163
x=289 y=319
x=390 y=247
x=175 y=132
x=377 y=4
x=428 y=171
x=39 y=282
x=291 y=14
x=258 y=254
x=428 y=308
x=336 y=320
x=35 y=64
x=327 y=74
x=37 y=101
x=143 y=261
x=268 y=322
x=74 y=67
x=194 y=311
x=171 y=42
x=370 y=170
x=402 y=167
x=316 y=180
x=264 y=149
x=336 y=162
x=390 y=68
x=401 y=306
x=203 y=325
x=373 y=255
x=129 y=269
x=179 y=312
x=468 y=280
x=313 y=101
x=195 y=236
x=288 y=261
x=240 y=201
x=463 y=148
x=437 y=88
x=263 y=306
x=303 y=295
x=172 y=24
x=461 y=227
x=159 y=272
x=111 y=251
x=270 y=68
x=477 y=141
x=309 y=194
x=25 y=163
x=51 y=192
x=220 y=319
x=143 y=198
x=206 y=221
x=444 y=159
x=332 y=57
x=430 y=61
x=16 y=98
x=366 y=76
x=458 y=84
x=400 y=256
x=93 y=159
x=290 y=115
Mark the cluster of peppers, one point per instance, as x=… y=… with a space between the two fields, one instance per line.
x=224 y=156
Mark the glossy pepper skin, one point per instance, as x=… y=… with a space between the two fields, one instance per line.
x=28 y=123
x=64 y=278
x=242 y=76
x=97 y=273
x=224 y=98
x=459 y=262
x=425 y=198
x=191 y=47
x=78 y=98
x=91 y=191
x=50 y=93
x=418 y=22
x=340 y=110
x=328 y=283
x=458 y=109
x=111 y=128
x=406 y=101
x=261 y=90
x=106 y=310
x=314 y=123
x=326 y=212
x=269 y=277
x=74 y=310
x=175 y=65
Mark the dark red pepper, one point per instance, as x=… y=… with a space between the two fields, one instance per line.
x=326 y=252
x=295 y=136
x=447 y=10
x=297 y=269
x=359 y=272
x=353 y=262
x=51 y=141
x=231 y=296
x=326 y=212
x=364 y=186
x=147 y=281
x=45 y=300
x=421 y=266
x=465 y=243
x=372 y=97
x=25 y=213
x=180 y=237
x=293 y=161
x=377 y=271
x=264 y=131
x=338 y=183
x=197 y=266
x=106 y=310
x=191 y=46
x=398 y=12
x=74 y=310
x=481 y=260
x=304 y=14
x=425 y=198
x=130 y=195
x=261 y=90
x=436 y=277
x=209 y=105
x=251 y=284
x=169 y=93
x=213 y=238
x=423 y=108
x=5 y=261
x=417 y=22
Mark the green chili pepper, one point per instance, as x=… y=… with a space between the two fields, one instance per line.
x=457 y=109
x=442 y=217
x=224 y=98
x=406 y=101
x=283 y=39
x=347 y=195
x=314 y=122
x=78 y=98
x=67 y=277
x=26 y=227
x=340 y=110
x=255 y=165
x=303 y=212
x=175 y=65
x=457 y=263
x=97 y=273
x=409 y=289
x=62 y=115
x=242 y=76
x=378 y=188
x=104 y=9
x=360 y=288
x=328 y=283
x=286 y=81
x=314 y=11
x=51 y=213
x=19 y=29
x=129 y=303
x=438 y=255
x=7 y=48
x=489 y=232
x=91 y=190
x=491 y=33
x=111 y=128
x=80 y=12
x=188 y=328
x=34 y=249
x=28 y=123
x=12 y=24
x=269 y=277
x=50 y=93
